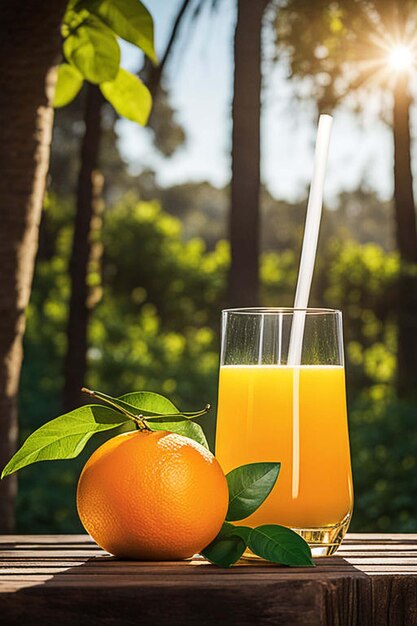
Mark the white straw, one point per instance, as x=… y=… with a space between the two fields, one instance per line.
x=305 y=275
x=311 y=235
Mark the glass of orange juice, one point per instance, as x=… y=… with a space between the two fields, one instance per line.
x=269 y=410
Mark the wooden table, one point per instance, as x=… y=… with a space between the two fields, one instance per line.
x=67 y=580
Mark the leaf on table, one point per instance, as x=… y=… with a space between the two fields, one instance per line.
x=280 y=545
x=65 y=436
x=228 y=546
x=181 y=426
x=69 y=83
x=94 y=51
x=249 y=485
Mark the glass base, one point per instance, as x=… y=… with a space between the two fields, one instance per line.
x=322 y=541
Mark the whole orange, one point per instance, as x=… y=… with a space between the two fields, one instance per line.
x=152 y=496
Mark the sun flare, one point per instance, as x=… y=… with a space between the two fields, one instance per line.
x=400 y=58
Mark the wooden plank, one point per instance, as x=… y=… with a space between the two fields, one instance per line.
x=45 y=539
x=371 y=582
x=170 y=605
x=379 y=537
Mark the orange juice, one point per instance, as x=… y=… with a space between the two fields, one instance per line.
x=295 y=415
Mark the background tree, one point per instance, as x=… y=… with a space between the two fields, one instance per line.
x=29 y=46
x=85 y=247
x=129 y=96
x=87 y=221
x=350 y=47
x=245 y=183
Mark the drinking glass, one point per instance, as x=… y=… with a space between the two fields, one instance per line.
x=272 y=410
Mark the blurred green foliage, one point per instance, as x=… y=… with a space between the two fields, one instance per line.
x=157 y=328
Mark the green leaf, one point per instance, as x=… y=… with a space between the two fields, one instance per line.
x=149 y=403
x=129 y=96
x=280 y=545
x=249 y=485
x=73 y=18
x=181 y=426
x=94 y=51
x=129 y=19
x=68 y=84
x=64 y=437
x=228 y=546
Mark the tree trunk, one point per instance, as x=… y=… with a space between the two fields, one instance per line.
x=406 y=236
x=29 y=47
x=245 y=184
x=84 y=249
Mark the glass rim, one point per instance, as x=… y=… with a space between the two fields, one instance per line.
x=286 y=310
